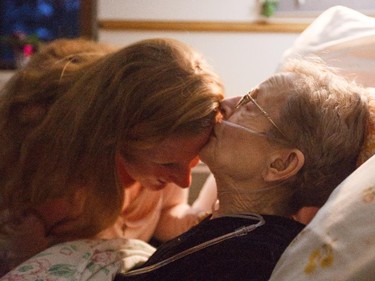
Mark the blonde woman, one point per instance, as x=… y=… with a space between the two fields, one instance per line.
x=103 y=148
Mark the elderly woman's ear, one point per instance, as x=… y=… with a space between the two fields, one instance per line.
x=283 y=165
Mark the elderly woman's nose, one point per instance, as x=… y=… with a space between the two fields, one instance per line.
x=228 y=106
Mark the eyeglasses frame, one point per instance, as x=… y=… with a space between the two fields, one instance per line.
x=248 y=98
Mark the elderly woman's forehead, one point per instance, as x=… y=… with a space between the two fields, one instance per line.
x=275 y=91
x=278 y=83
x=281 y=79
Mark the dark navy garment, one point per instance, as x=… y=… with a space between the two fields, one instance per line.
x=247 y=257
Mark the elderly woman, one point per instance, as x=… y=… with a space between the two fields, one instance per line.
x=284 y=145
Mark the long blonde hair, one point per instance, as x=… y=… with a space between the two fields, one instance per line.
x=131 y=99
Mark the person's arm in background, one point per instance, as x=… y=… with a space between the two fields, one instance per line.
x=207 y=198
x=178 y=216
x=305 y=214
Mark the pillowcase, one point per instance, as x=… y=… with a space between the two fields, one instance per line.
x=337 y=244
x=344 y=38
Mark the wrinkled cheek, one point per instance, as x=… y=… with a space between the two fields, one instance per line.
x=209 y=154
x=222 y=153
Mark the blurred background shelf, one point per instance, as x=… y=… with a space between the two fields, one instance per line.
x=5 y=75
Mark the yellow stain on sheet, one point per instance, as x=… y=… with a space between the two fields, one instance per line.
x=369 y=194
x=322 y=257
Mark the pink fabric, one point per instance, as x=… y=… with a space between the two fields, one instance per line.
x=147 y=213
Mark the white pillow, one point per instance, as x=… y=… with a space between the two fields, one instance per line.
x=338 y=244
x=344 y=38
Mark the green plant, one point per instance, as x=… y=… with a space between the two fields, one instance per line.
x=269 y=7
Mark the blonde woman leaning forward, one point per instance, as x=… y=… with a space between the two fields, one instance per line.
x=98 y=144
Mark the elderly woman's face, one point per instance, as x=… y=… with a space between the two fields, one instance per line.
x=238 y=144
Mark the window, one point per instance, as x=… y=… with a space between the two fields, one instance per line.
x=43 y=20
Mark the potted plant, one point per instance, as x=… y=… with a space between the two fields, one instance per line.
x=268 y=7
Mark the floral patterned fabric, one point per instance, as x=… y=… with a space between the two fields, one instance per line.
x=338 y=243
x=83 y=260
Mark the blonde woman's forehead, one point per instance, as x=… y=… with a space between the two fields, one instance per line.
x=176 y=148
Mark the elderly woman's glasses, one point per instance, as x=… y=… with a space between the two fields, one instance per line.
x=247 y=98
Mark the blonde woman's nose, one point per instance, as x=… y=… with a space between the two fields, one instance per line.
x=182 y=177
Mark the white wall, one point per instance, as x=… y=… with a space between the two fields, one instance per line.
x=241 y=59
x=200 y=10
